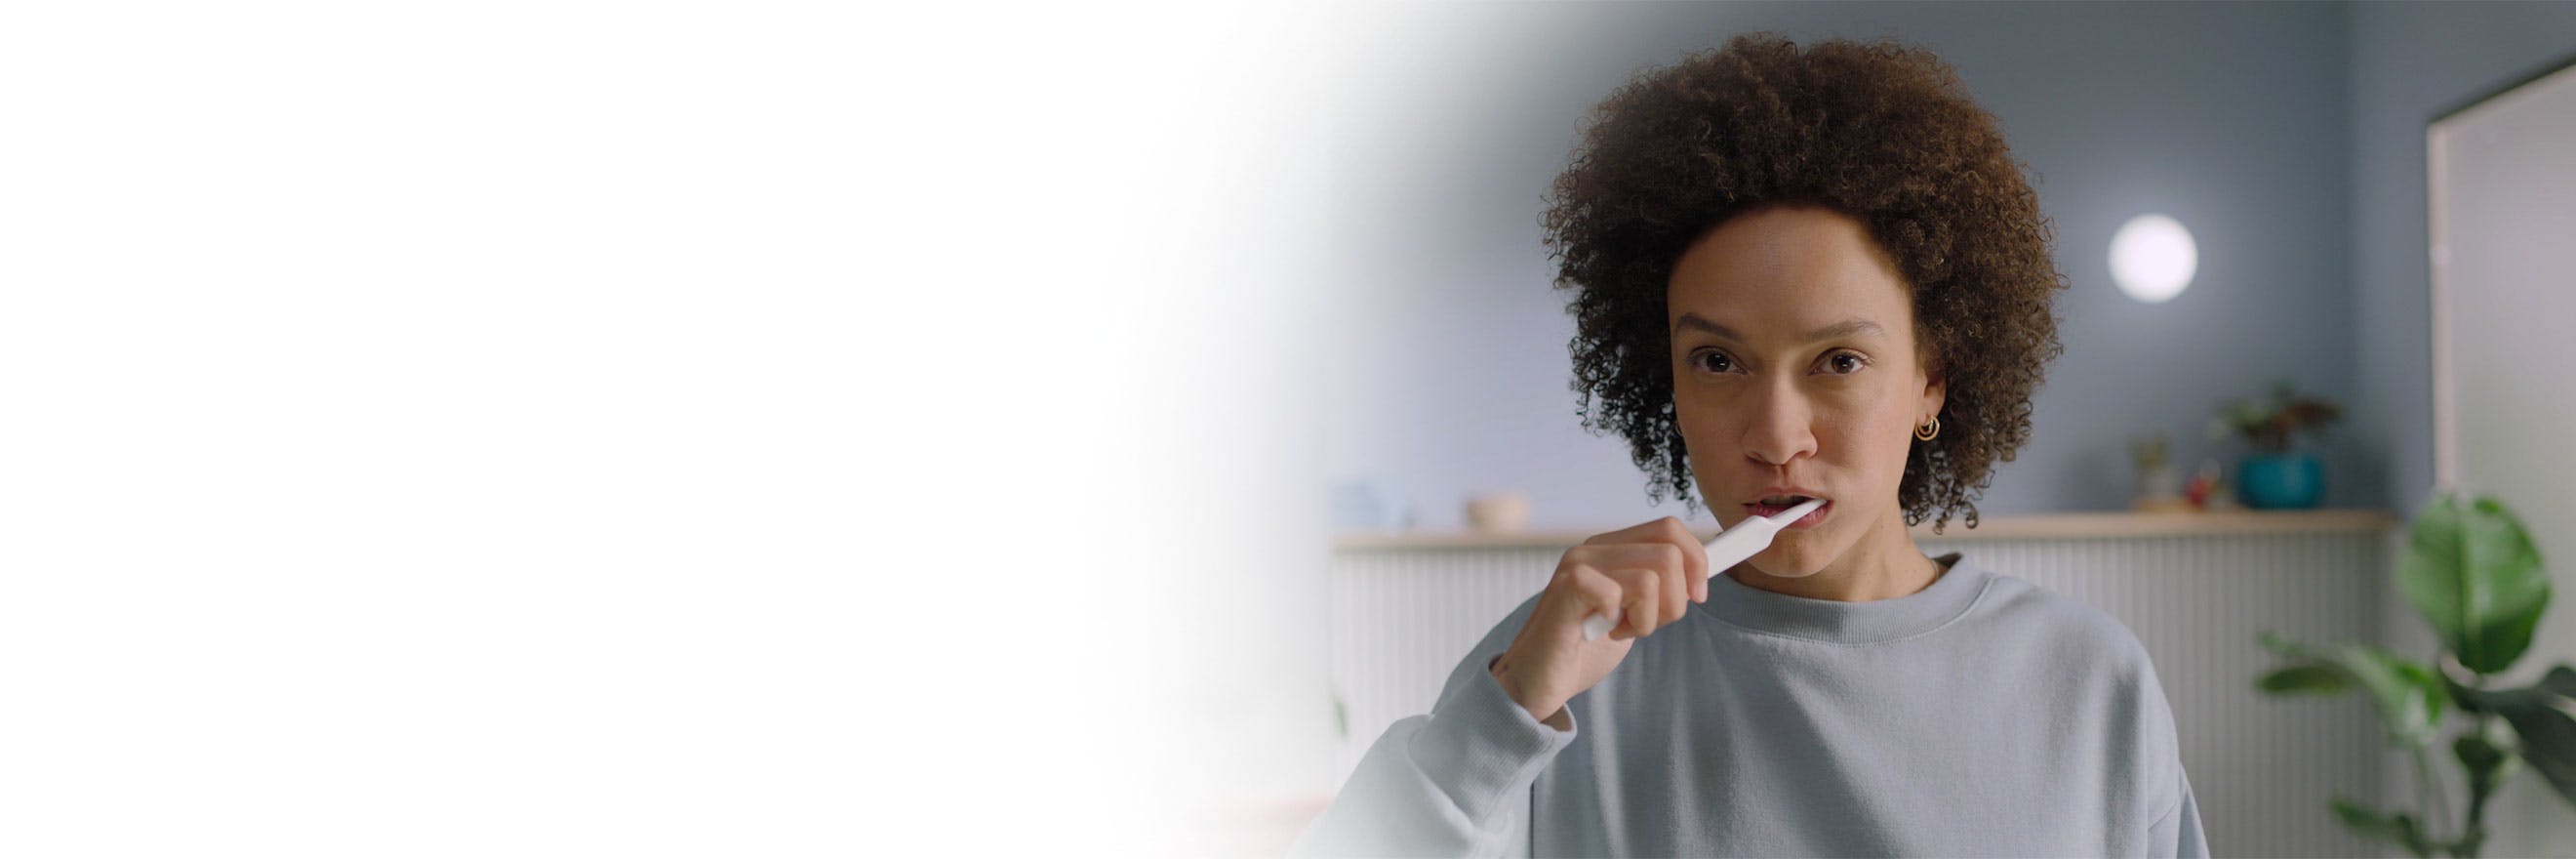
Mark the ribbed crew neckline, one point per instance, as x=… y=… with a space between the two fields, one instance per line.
x=1838 y=622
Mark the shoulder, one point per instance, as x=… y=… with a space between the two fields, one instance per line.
x=2093 y=661
x=2090 y=664
x=2072 y=630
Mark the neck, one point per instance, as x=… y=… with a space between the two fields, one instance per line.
x=1883 y=565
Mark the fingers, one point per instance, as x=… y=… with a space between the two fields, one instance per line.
x=1641 y=595
x=1667 y=531
x=1643 y=577
x=1632 y=597
x=1596 y=594
x=1674 y=585
x=1695 y=571
x=1642 y=532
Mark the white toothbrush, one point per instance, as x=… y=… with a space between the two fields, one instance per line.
x=1727 y=549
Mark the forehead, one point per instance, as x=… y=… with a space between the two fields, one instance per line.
x=1788 y=269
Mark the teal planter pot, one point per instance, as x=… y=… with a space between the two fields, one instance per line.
x=2281 y=481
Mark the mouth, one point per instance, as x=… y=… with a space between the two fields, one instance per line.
x=1775 y=504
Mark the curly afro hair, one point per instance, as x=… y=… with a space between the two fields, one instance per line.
x=1883 y=132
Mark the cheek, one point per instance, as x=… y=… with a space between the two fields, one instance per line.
x=1699 y=447
x=1695 y=418
x=1891 y=446
x=1880 y=433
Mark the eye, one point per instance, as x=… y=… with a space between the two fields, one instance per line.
x=1845 y=363
x=1713 y=361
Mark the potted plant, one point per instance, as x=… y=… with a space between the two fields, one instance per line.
x=2159 y=486
x=2274 y=476
x=2476 y=578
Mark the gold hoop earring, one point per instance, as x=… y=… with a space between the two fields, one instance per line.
x=1928 y=430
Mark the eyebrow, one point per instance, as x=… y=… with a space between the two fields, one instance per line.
x=1845 y=328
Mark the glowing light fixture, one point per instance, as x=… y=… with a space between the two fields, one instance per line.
x=2152 y=258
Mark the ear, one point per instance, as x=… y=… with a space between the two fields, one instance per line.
x=1936 y=390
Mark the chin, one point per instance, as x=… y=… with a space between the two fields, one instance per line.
x=1787 y=562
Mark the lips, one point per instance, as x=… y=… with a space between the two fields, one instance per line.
x=1778 y=499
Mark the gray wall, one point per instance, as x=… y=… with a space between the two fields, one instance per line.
x=1450 y=374
x=2411 y=63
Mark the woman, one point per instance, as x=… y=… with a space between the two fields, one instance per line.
x=1796 y=272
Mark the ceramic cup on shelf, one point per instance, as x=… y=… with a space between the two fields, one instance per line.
x=1498 y=512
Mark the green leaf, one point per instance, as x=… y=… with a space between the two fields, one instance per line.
x=2409 y=697
x=2488 y=765
x=2543 y=717
x=2475 y=576
x=2548 y=735
x=2309 y=679
x=2398 y=829
x=2561 y=681
x=2471 y=700
x=2274 y=642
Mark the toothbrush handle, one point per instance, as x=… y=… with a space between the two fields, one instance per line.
x=1596 y=626
x=1725 y=550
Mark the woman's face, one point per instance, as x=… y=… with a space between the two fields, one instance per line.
x=1795 y=371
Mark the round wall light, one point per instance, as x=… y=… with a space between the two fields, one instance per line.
x=2152 y=258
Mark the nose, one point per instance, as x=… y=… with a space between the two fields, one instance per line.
x=1778 y=426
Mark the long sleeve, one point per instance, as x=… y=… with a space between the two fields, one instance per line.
x=2178 y=833
x=1455 y=782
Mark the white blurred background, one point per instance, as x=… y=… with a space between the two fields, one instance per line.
x=573 y=428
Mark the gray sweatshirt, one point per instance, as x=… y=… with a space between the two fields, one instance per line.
x=1980 y=716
